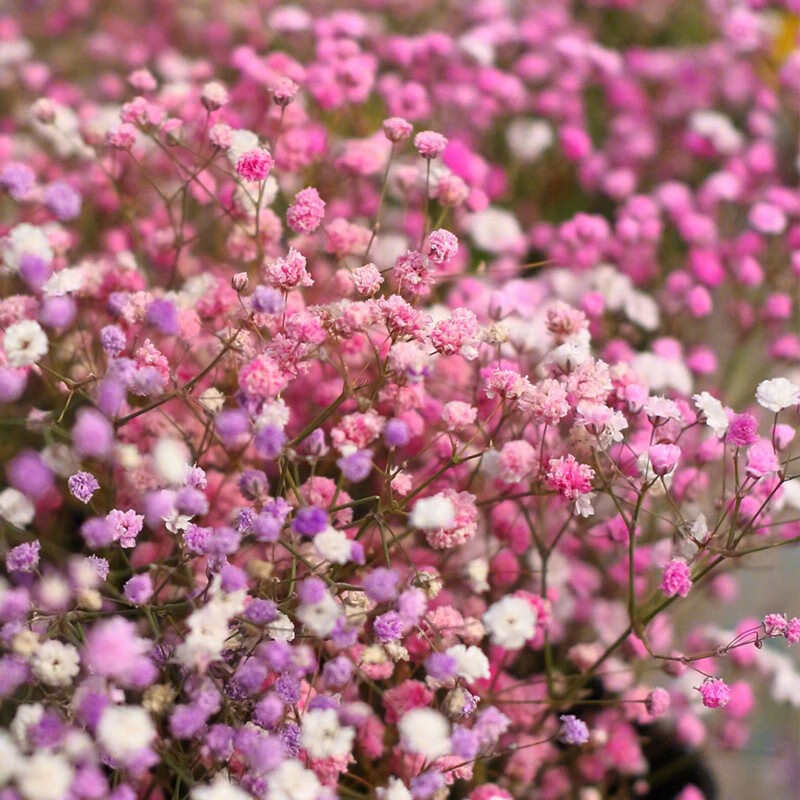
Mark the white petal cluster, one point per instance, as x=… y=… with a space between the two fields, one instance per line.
x=292 y=781
x=713 y=411
x=25 y=343
x=220 y=789
x=322 y=736
x=15 y=508
x=432 y=513
x=209 y=629
x=55 y=663
x=471 y=662
x=510 y=622
x=332 y=545
x=777 y=394
x=425 y=732
x=125 y=731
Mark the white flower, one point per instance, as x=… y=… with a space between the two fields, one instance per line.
x=510 y=622
x=175 y=521
x=241 y=141
x=26 y=717
x=471 y=662
x=171 y=461
x=332 y=545
x=209 y=629
x=661 y=409
x=45 y=776
x=718 y=129
x=281 y=628
x=124 y=731
x=713 y=411
x=777 y=394
x=25 y=343
x=320 y=618
x=15 y=508
x=55 y=663
x=10 y=759
x=323 y=737
x=212 y=400
x=432 y=513
x=641 y=309
x=276 y=414
x=583 y=505
x=495 y=230
x=220 y=789
x=25 y=240
x=394 y=790
x=529 y=138
x=292 y=781
x=476 y=573
x=65 y=281
x=426 y=732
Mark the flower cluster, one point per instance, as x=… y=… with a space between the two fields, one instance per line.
x=371 y=400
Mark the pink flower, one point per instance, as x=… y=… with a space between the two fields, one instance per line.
x=761 y=459
x=442 y=246
x=715 y=693
x=568 y=477
x=413 y=273
x=430 y=144
x=459 y=333
x=743 y=430
x=396 y=129
x=658 y=702
x=676 y=579
x=793 y=631
x=254 y=165
x=125 y=526
x=306 y=211
x=289 y=272
x=367 y=279
x=775 y=625
x=663 y=458
x=517 y=460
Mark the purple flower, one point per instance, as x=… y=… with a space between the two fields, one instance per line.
x=138 y=589
x=388 y=627
x=311 y=591
x=260 y=612
x=253 y=483
x=62 y=200
x=18 y=180
x=310 y=521
x=269 y=442
x=357 y=466
x=34 y=270
x=267 y=300
x=24 y=557
x=573 y=730
x=380 y=585
x=163 y=314
x=112 y=340
x=268 y=711
x=337 y=672
x=92 y=434
x=396 y=433
x=440 y=666
x=82 y=485
x=427 y=785
x=28 y=472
